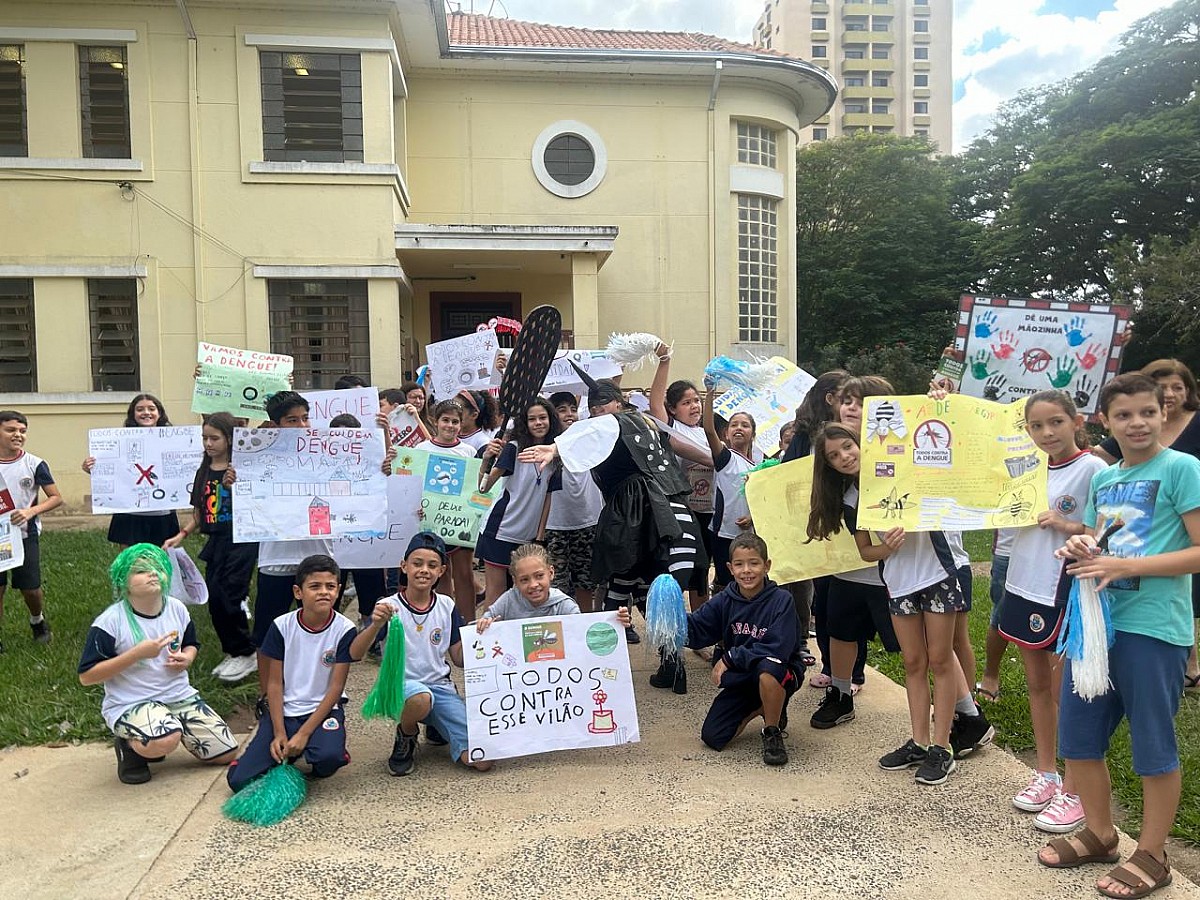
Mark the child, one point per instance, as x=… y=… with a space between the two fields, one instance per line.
x=140 y=649
x=309 y=654
x=1145 y=512
x=733 y=458
x=228 y=566
x=785 y=437
x=126 y=529
x=25 y=475
x=571 y=526
x=1033 y=604
x=481 y=418
x=431 y=633
x=760 y=667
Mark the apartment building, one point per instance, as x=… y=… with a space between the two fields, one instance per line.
x=891 y=57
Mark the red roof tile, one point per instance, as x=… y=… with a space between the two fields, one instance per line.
x=474 y=30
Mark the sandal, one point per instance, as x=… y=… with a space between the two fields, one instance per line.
x=1069 y=857
x=1158 y=872
x=990 y=696
x=1191 y=682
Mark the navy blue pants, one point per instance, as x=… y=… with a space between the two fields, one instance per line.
x=326 y=750
x=738 y=699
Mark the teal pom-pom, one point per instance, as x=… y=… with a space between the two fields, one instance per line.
x=386 y=699
x=268 y=799
x=666 y=615
x=750 y=376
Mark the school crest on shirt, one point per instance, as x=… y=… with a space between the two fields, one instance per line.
x=1066 y=504
x=328 y=657
x=435 y=637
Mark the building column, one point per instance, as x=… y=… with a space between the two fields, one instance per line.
x=585 y=300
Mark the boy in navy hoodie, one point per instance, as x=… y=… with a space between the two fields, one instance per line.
x=760 y=667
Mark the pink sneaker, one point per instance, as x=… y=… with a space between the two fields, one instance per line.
x=1065 y=813
x=1037 y=794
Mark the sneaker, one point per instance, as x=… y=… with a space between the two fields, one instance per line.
x=631 y=635
x=1065 y=813
x=835 y=709
x=435 y=737
x=1037 y=794
x=262 y=709
x=41 y=631
x=774 y=753
x=131 y=768
x=239 y=667
x=219 y=668
x=969 y=733
x=938 y=764
x=403 y=750
x=911 y=754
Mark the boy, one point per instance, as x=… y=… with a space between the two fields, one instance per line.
x=309 y=654
x=431 y=632
x=26 y=474
x=760 y=666
x=140 y=649
x=571 y=525
x=1143 y=516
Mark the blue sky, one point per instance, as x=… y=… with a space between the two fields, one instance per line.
x=1000 y=46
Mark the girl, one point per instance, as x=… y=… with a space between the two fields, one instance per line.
x=519 y=516
x=481 y=418
x=127 y=529
x=228 y=566
x=416 y=396
x=732 y=461
x=1035 y=595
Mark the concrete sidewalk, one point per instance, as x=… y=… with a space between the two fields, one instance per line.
x=665 y=818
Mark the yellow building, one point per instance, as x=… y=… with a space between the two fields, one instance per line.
x=345 y=182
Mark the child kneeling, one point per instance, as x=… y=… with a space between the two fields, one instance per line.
x=140 y=649
x=761 y=666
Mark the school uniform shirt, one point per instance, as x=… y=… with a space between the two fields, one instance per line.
x=513 y=605
x=762 y=628
x=924 y=559
x=428 y=637
x=24 y=476
x=308 y=657
x=730 y=470
x=868 y=574
x=1038 y=571
x=284 y=557
x=577 y=504
x=514 y=518
x=214 y=501
x=1141 y=508
x=148 y=679
x=701 y=499
x=458 y=448
x=1002 y=540
x=478 y=439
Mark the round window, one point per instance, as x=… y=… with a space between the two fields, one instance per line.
x=569 y=159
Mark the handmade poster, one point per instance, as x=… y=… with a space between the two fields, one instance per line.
x=780 y=499
x=536 y=685
x=1013 y=348
x=403 y=428
x=562 y=377
x=956 y=464
x=460 y=363
x=12 y=548
x=772 y=407
x=386 y=550
x=7 y=504
x=303 y=483
x=452 y=506
x=238 y=381
x=143 y=469
x=325 y=406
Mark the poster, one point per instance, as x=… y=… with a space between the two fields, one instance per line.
x=536 y=685
x=451 y=505
x=403 y=428
x=772 y=407
x=325 y=406
x=1012 y=348
x=303 y=483
x=143 y=469
x=387 y=550
x=12 y=548
x=238 y=381
x=780 y=499
x=956 y=464
x=462 y=363
x=561 y=376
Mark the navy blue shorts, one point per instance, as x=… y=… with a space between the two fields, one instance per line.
x=738 y=699
x=857 y=612
x=494 y=551
x=1030 y=624
x=326 y=750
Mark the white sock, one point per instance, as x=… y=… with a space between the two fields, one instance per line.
x=37 y=620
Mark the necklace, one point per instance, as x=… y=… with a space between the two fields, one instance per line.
x=419 y=624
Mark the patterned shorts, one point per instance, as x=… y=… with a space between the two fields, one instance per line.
x=205 y=734
x=571 y=556
x=944 y=597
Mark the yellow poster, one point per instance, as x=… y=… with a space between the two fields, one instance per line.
x=779 y=499
x=955 y=464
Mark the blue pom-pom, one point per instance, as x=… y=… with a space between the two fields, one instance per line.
x=750 y=376
x=666 y=615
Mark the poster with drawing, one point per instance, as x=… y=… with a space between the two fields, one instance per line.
x=772 y=407
x=303 y=483
x=1012 y=348
x=452 y=505
x=385 y=551
x=955 y=464
x=12 y=547
x=536 y=685
x=561 y=376
x=325 y=406
x=403 y=428
x=143 y=469
x=238 y=381
x=462 y=363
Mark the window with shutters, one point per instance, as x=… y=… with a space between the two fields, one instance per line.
x=104 y=102
x=18 y=344
x=312 y=106
x=14 y=139
x=112 y=311
x=323 y=326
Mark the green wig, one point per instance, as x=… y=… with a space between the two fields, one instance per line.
x=140 y=559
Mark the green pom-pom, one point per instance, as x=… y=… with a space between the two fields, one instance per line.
x=268 y=799
x=386 y=700
x=765 y=464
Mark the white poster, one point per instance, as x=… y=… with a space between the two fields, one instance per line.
x=535 y=685
x=386 y=551
x=303 y=483
x=325 y=406
x=772 y=407
x=462 y=363
x=143 y=469
x=403 y=428
x=12 y=550
x=561 y=375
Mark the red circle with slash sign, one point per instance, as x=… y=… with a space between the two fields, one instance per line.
x=1036 y=360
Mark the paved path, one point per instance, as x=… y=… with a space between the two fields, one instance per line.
x=666 y=818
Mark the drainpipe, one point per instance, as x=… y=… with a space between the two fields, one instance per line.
x=198 y=280
x=712 y=211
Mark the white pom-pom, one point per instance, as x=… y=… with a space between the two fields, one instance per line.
x=1090 y=672
x=630 y=351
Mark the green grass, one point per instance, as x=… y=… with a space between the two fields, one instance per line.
x=1014 y=730
x=40 y=694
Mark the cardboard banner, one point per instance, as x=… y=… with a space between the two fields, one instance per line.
x=452 y=506
x=143 y=469
x=772 y=407
x=325 y=406
x=387 y=550
x=465 y=362
x=12 y=547
x=953 y=464
x=238 y=381
x=1012 y=348
x=303 y=483
x=537 y=685
x=780 y=499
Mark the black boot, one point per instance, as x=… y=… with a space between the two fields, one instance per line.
x=671 y=673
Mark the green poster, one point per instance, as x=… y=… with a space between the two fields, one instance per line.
x=238 y=381
x=451 y=505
